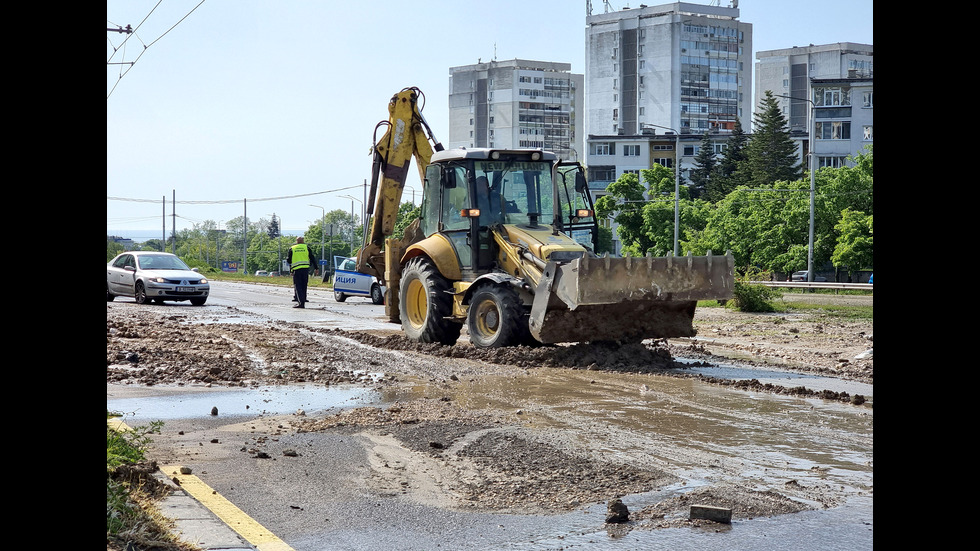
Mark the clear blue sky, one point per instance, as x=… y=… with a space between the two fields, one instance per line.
x=271 y=100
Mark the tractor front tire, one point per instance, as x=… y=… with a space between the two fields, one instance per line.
x=496 y=317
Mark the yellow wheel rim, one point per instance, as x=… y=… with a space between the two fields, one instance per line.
x=487 y=318
x=417 y=305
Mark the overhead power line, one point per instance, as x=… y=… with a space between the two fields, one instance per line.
x=232 y=201
x=125 y=66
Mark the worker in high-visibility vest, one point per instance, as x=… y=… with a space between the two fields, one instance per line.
x=300 y=262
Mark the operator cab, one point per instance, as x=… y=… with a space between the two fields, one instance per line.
x=468 y=192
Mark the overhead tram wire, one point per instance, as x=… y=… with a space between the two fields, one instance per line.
x=145 y=45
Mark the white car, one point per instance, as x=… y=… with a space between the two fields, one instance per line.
x=348 y=282
x=147 y=276
x=802 y=276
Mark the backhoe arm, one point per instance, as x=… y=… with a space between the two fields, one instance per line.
x=407 y=136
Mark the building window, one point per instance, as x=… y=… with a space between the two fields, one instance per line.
x=642 y=111
x=663 y=161
x=869 y=133
x=631 y=150
x=832 y=162
x=832 y=96
x=868 y=98
x=602 y=173
x=834 y=130
x=602 y=148
x=615 y=114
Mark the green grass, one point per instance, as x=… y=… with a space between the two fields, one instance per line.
x=842 y=312
x=131 y=516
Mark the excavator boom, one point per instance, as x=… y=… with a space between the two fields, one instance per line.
x=407 y=136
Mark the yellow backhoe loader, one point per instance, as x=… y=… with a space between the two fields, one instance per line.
x=505 y=245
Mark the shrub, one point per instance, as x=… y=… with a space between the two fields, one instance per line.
x=752 y=297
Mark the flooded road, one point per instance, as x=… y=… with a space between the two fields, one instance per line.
x=370 y=486
x=814 y=451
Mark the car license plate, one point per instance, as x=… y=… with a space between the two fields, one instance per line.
x=186 y=289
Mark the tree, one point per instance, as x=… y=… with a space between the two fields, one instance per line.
x=726 y=177
x=407 y=213
x=704 y=170
x=604 y=242
x=768 y=227
x=338 y=230
x=273 y=228
x=855 y=244
x=770 y=155
x=112 y=249
x=647 y=225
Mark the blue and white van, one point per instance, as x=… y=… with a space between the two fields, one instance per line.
x=348 y=282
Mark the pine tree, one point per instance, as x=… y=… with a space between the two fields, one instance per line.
x=704 y=167
x=771 y=155
x=726 y=177
x=273 y=228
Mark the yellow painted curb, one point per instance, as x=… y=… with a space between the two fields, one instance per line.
x=235 y=518
x=116 y=424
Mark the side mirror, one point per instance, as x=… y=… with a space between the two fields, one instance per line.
x=581 y=185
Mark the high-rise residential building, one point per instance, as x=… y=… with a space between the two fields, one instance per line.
x=833 y=81
x=681 y=66
x=517 y=104
x=682 y=69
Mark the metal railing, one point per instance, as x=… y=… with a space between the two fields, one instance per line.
x=817 y=285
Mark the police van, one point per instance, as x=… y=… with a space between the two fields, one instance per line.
x=348 y=282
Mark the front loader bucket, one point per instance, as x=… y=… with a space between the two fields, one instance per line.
x=591 y=299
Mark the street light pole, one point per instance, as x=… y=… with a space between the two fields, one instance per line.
x=352 y=199
x=811 y=134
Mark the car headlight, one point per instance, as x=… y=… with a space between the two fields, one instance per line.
x=157 y=280
x=203 y=281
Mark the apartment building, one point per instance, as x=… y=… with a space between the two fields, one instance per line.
x=834 y=83
x=517 y=104
x=657 y=71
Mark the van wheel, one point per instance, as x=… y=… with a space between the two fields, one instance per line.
x=377 y=296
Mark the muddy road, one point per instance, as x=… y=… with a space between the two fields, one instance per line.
x=347 y=439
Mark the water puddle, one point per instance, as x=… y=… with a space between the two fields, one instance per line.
x=788 y=379
x=848 y=527
x=191 y=403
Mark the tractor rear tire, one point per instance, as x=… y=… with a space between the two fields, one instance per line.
x=425 y=304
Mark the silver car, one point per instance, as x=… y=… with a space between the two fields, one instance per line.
x=147 y=276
